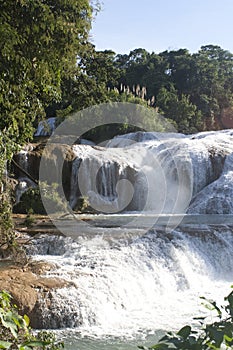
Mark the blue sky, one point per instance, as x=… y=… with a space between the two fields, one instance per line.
x=159 y=25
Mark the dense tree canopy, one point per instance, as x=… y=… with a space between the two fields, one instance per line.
x=39 y=45
x=48 y=65
x=193 y=89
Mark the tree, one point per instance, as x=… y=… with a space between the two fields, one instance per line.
x=180 y=69
x=133 y=67
x=179 y=109
x=203 y=81
x=100 y=65
x=40 y=41
x=94 y=75
x=212 y=82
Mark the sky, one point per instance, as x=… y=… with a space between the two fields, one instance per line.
x=159 y=25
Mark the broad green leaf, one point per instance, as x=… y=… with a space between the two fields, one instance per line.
x=227 y=338
x=26 y=319
x=11 y=326
x=17 y=320
x=36 y=343
x=184 y=332
x=5 y=344
x=161 y=346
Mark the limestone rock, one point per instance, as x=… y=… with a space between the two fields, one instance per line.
x=26 y=284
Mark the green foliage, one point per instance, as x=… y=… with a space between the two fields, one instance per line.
x=6 y=224
x=82 y=204
x=7 y=148
x=198 y=87
x=95 y=81
x=193 y=90
x=15 y=332
x=29 y=220
x=216 y=335
x=179 y=109
x=39 y=44
x=100 y=65
x=31 y=200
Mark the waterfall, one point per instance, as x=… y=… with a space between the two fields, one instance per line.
x=216 y=198
x=23 y=181
x=46 y=127
x=125 y=281
x=97 y=172
x=154 y=172
x=128 y=286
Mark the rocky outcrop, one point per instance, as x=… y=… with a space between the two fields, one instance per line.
x=55 y=155
x=27 y=285
x=216 y=198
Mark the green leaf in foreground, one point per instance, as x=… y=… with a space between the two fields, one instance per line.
x=5 y=344
x=15 y=332
x=216 y=335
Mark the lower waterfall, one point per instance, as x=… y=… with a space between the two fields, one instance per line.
x=138 y=284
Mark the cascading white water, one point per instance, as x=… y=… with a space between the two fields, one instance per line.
x=23 y=181
x=216 y=198
x=122 y=287
x=23 y=159
x=162 y=172
x=205 y=151
x=149 y=281
x=46 y=127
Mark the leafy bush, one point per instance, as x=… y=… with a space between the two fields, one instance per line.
x=31 y=200
x=216 y=335
x=82 y=204
x=15 y=332
x=29 y=220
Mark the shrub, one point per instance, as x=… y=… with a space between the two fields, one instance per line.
x=82 y=204
x=29 y=220
x=31 y=200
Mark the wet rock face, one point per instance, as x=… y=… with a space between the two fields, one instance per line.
x=216 y=198
x=56 y=311
x=97 y=172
